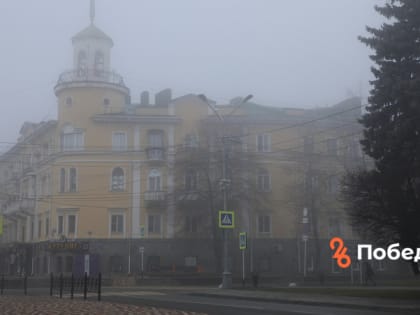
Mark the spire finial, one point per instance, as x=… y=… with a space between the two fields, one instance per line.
x=92 y=10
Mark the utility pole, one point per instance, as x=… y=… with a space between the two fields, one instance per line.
x=227 y=275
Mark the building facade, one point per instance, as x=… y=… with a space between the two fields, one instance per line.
x=92 y=189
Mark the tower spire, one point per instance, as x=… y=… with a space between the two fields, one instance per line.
x=92 y=10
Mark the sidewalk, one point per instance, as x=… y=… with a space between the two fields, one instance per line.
x=291 y=297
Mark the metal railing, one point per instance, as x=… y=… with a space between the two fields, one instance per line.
x=155 y=153
x=91 y=75
x=61 y=285
x=155 y=195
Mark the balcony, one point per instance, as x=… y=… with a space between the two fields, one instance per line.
x=155 y=199
x=92 y=76
x=155 y=154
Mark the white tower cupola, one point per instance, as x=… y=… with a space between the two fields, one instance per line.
x=92 y=49
x=91 y=62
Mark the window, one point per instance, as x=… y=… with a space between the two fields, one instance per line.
x=72 y=139
x=264 y=142
x=117 y=223
x=190 y=261
x=191 y=141
x=47 y=227
x=154 y=180
x=191 y=224
x=264 y=224
x=72 y=180
x=39 y=228
x=99 y=63
x=71 y=224
x=119 y=141
x=63 y=180
x=60 y=225
x=155 y=138
x=155 y=142
x=191 y=180
x=117 y=180
x=263 y=180
x=154 y=224
x=32 y=229
x=332 y=148
x=82 y=63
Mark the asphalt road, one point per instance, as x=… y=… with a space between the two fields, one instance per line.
x=225 y=306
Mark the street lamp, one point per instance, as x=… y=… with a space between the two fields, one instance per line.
x=227 y=275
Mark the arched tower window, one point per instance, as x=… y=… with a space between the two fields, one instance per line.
x=117 y=180
x=99 y=63
x=81 y=63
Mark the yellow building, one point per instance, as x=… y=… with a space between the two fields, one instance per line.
x=85 y=191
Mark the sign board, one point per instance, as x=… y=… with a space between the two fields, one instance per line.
x=141 y=249
x=242 y=240
x=226 y=219
x=68 y=246
x=142 y=231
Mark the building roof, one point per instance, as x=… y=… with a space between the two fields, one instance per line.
x=92 y=32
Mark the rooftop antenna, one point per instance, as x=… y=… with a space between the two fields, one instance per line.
x=92 y=11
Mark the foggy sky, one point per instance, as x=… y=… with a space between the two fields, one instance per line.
x=287 y=53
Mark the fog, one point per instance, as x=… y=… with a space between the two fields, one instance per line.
x=286 y=53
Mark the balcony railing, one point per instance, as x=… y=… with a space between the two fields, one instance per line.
x=155 y=154
x=90 y=75
x=155 y=199
x=155 y=196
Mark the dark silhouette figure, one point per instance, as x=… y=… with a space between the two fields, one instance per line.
x=255 y=279
x=369 y=274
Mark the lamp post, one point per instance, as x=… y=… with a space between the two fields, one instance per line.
x=227 y=275
x=305 y=237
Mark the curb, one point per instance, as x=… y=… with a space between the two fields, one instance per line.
x=391 y=308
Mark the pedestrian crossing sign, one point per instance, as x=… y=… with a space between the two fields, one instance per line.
x=226 y=219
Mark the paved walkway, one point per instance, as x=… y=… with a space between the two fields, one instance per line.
x=290 y=296
x=30 y=305
x=297 y=297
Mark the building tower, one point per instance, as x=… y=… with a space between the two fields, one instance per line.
x=90 y=87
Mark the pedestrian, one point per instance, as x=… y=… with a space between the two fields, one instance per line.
x=255 y=279
x=369 y=274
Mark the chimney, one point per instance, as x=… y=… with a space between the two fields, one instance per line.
x=163 y=98
x=144 y=98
